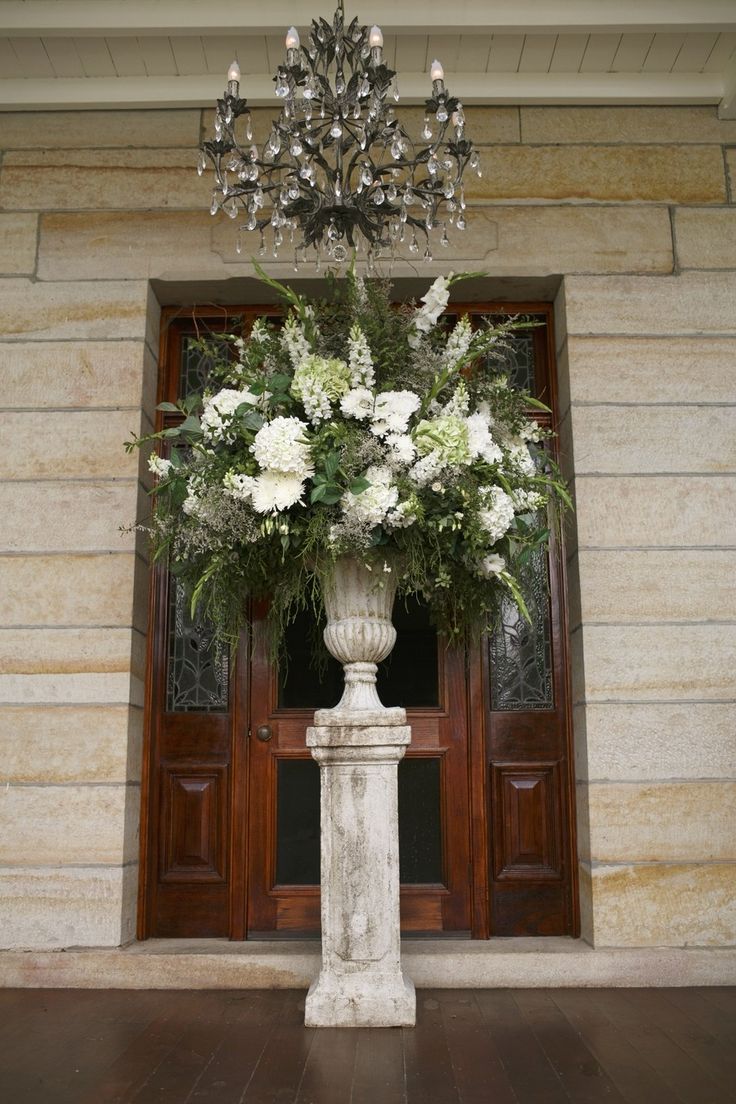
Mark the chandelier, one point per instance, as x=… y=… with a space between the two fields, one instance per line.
x=338 y=171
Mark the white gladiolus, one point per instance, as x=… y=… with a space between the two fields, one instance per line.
x=492 y=565
x=435 y=301
x=282 y=445
x=498 y=514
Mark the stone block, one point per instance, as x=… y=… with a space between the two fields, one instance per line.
x=662 y=821
x=76 y=130
x=71 y=688
x=650 y=369
x=694 y=303
x=664 y=905
x=706 y=238
x=653 y=585
x=654 y=439
x=64 y=825
x=731 y=172
x=18 y=234
x=625 y=125
x=72 y=651
x=652 y=742
x=39 y=375
x=71 y=517
x=604 y=174
x=659 y=662
x=60 y=744
x=655 y=511
x=67 y=589
x=73 y=445
x=56 y=908
x=67 y=180
x=109 y=309
x=155 y=244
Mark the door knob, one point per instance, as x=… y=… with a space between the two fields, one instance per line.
x=264 y=733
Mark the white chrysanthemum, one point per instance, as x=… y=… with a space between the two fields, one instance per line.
x=239 y=486
x=372 y=504
x=497 y=514
x=402 y=448
x=276 y=490
x=358 y=403
x=217 y=415
x=360 y=360
x=158 y=466
x=294 y=341
x=458 y=342
x=480 y=441
x=491 y=565
x=435 y=300
x=282 y=445
x=392 y=412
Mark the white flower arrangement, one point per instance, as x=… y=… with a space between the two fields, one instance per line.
x=356 y=429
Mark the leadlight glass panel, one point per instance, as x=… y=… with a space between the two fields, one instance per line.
x=521 y=653
x=198 y=670
x=518 y=357
x=196 y=365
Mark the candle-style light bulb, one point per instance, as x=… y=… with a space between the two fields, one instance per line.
x=375 y=37
x=292 y=39
x=233 y=73
x=437 y=72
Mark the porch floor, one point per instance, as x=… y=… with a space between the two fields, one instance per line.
x=63 y=1046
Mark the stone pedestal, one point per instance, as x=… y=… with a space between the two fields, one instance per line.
x=361 y=983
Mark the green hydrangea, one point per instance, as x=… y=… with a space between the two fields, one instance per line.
x=446 y=435
x=329 y=375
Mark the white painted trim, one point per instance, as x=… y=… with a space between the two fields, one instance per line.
x=445 y=963
x=472 y=88
x=222 y=17
x=727 y=106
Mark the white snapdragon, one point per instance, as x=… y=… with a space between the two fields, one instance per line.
x=158 y=466
x=218 y=411
x=294 y=341
x=282 y=445
x=526 y=502
x=435 y=300
x=360 y=360
x=373 y=504
x=358 y=403
x=459 y=404
x=458 y=342
x=480 y=441
x=497 y=514
x=402 y=449
x=392 y=412
x=259 y=331
x=491 y=565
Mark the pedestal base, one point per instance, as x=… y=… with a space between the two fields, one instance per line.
x=360 y=1001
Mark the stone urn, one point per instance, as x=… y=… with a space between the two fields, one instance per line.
x=358 y=745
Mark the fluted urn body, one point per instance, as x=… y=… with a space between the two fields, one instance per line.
x=358 y=603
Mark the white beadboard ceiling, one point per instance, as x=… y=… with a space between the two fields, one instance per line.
x=57 y=54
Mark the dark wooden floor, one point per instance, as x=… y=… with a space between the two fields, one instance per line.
x=469 y=1047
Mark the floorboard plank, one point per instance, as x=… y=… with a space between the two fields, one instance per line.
x=477 y=1066
x=429 y=1074
x=328 y=1071
x=279 y=1071
x=379 y=1066
x=532 y=1076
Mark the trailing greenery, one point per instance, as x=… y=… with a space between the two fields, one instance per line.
x=355 y=428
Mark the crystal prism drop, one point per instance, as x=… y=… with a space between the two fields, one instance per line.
x=426 y=129
x=201 y=164
x=249 y=130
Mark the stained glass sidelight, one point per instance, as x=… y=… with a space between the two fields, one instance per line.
x=521 y=653
x=196 y=365
x=197 y=676
x=518 y=359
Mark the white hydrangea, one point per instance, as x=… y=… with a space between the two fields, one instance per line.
x=392 y=412
x=358 y=403
x=218 y=411
x=276 y=490
x=480 y=441
x=402 y=449
x=158 y=466
x=282 y=445
x=426 y=469
x=492 y=564
x=294 y=341
x=373 y=504
x=435 y=300
x=498 y=513
x=360 y=360
x=458 y=342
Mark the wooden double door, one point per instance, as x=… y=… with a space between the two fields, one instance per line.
x=230 y=833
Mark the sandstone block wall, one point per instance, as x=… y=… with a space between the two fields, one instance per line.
x=631 y=214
